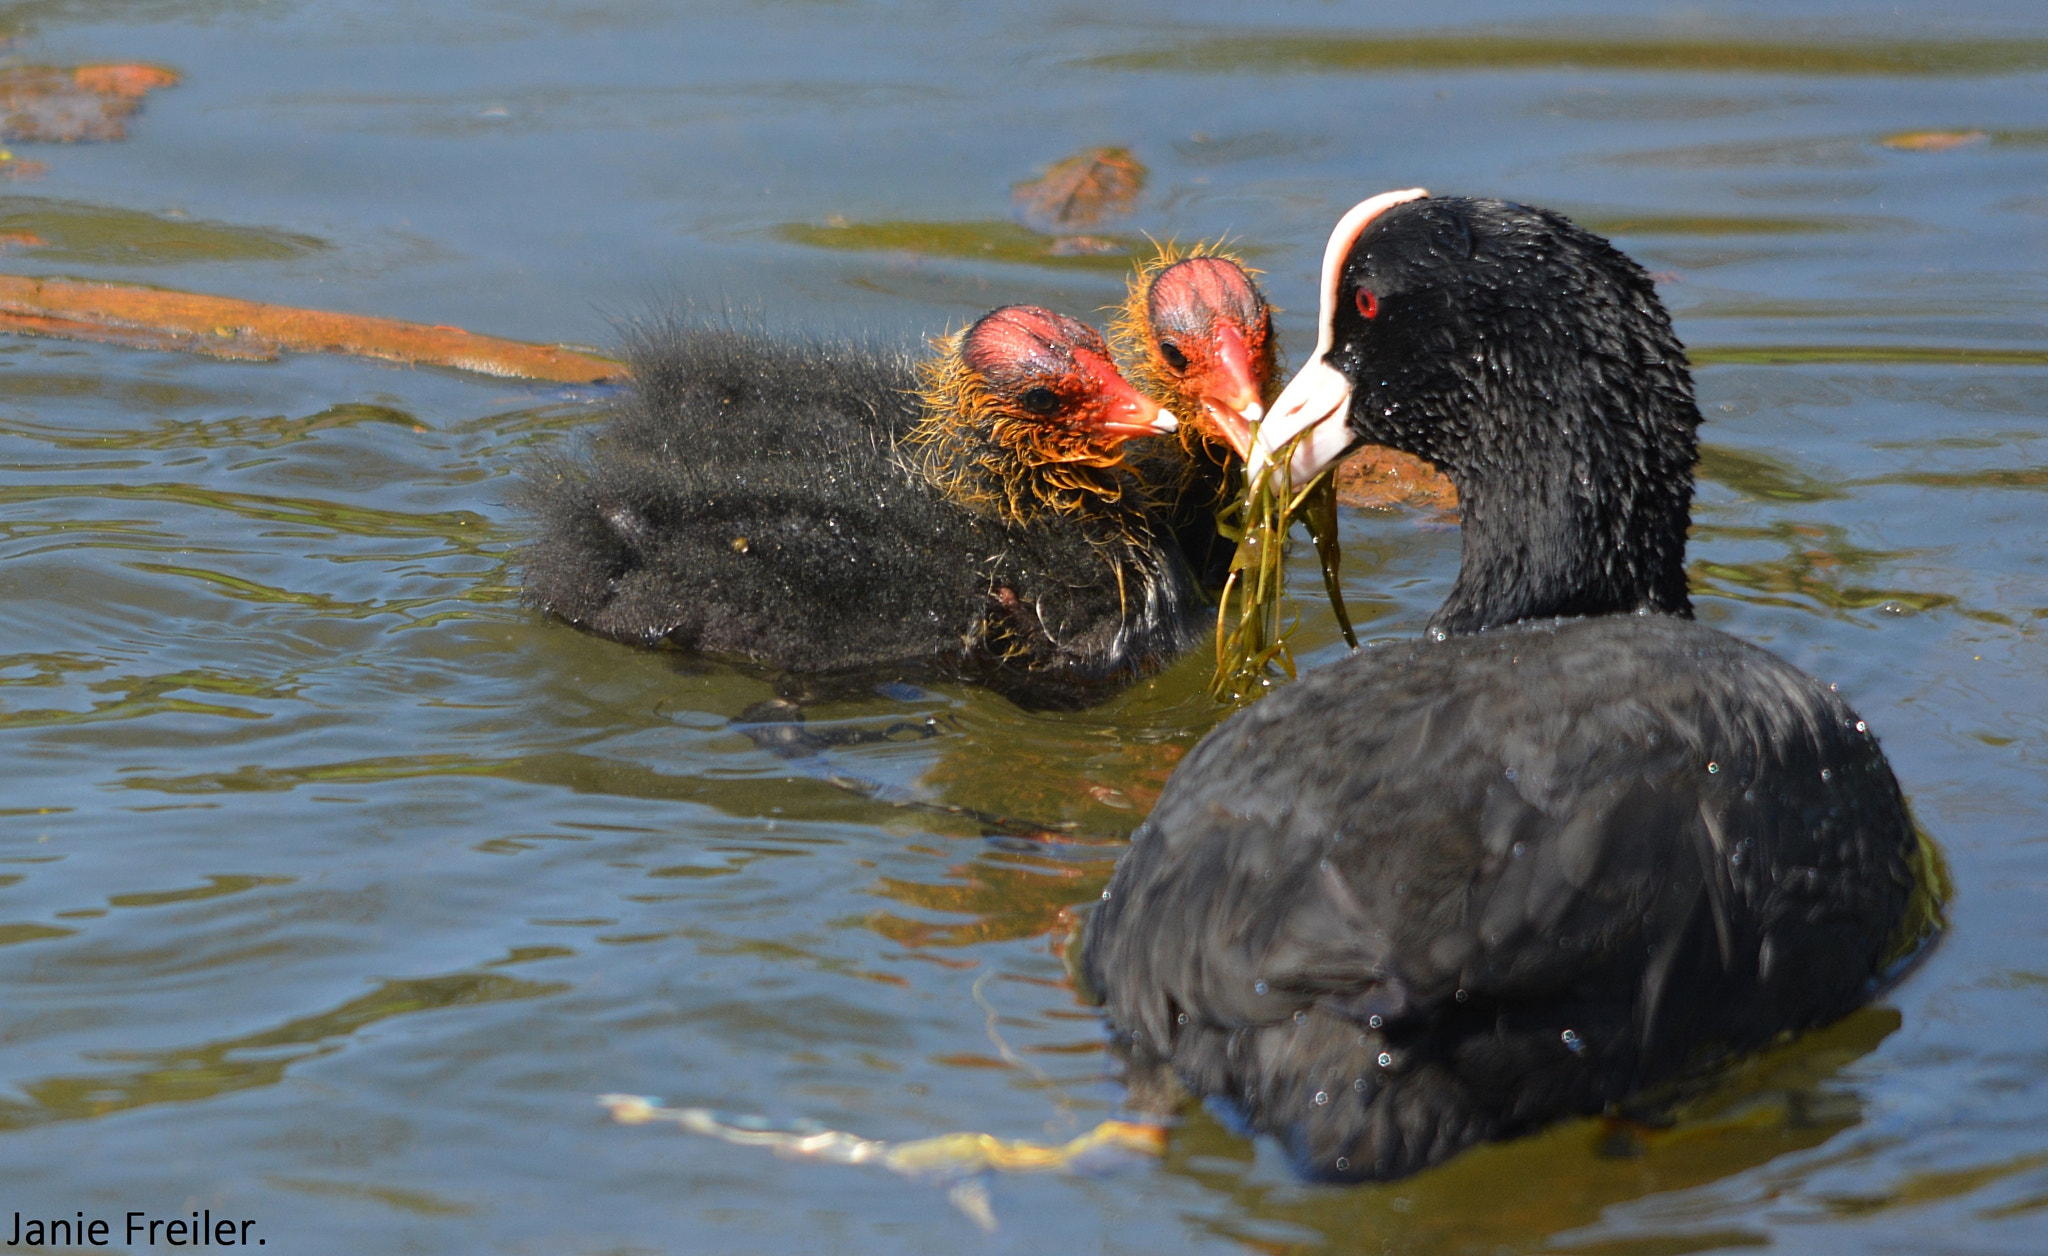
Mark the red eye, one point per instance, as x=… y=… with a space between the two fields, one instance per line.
x=1368 y=304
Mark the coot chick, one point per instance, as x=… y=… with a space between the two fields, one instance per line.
x=1196 y=333
x=1571 y=845
x=828 y=508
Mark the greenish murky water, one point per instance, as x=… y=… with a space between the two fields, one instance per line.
x=334 y=886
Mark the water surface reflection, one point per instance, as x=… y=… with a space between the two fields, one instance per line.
x=334 y=885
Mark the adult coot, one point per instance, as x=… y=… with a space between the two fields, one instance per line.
x=1570 y=845
x=831 y=508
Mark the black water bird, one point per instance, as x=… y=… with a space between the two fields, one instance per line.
x=830 y=509
x=1570 y=845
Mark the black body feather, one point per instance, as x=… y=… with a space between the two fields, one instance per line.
x=1196 y=487
x=753 y=498
x=1572 y=845
x=1536 y=869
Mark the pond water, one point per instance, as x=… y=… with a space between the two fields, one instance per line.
x=334 y=885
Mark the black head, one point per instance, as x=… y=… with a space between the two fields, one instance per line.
x=1533 y=363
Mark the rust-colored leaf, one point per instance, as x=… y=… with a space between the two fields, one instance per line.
x=223 y=327
x=16 y=170
x=1933 y=141
x=1082 y=191
x=230 y=346
x=1377 y=478
x=86 y=103
x=130 y=80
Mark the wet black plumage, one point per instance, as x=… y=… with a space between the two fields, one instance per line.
x=799 y=505
x=1573 y=844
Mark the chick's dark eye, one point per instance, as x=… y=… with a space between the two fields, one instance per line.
x=1173 y=356
x=1039 y=400
x=1368 y=304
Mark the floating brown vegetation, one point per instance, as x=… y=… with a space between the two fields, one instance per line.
x=222 y=327
x=1059 y=214
x=82 y=104
x=1082 y=191
x=19 y=170
x=1378 y=478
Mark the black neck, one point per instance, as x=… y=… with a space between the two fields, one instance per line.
x=1534 y=365
x=1540 y=543
x=1574 y=472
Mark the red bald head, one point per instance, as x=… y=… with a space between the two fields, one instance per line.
x=1025 y=413
x=1210 y=334
x=1042 y=367
x=1189 y=297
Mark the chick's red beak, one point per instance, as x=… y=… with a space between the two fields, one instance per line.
x=1230 y=390
x=1120 y=410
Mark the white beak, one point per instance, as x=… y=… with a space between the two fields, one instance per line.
x=1317 y=401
